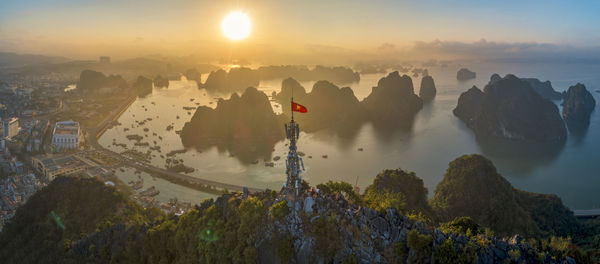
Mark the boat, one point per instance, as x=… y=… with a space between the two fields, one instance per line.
x=152 y=191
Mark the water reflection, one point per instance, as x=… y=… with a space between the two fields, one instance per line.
x=577 y=132
x=519 y=157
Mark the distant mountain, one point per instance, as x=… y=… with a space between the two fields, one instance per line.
x=13 y=60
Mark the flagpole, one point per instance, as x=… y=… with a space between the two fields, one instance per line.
x=291 y=103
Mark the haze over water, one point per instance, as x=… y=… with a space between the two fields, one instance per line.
x=437 y=137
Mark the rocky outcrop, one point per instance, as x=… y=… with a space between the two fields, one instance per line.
x=243 y=125
x=160 y=81
x=96 y=82
x=235 y=80
x=472 y=187
x=143 y=86
x=465 y=74
x=393 y=100
x=510 y=108
x=427 y=91
x=543 y=88
x=578 y=105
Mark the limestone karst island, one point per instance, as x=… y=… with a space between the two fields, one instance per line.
x=339 y=131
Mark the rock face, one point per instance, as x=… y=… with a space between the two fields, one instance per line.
x=143 y=86
x=235 y=80
x=160 y=81
x=578 y=105
x=544 y=89
x=393 y=100
x=244 y=125
x=328 y=105
x=510 y=108
x=472 y=187
x=427 y=91
x=465 y=74
x=97 y=82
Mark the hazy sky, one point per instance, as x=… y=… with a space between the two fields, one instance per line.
x=127 y=28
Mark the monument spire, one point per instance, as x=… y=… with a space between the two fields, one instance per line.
x=294 y=165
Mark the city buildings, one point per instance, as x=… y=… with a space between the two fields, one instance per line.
x=67 y=136
x=10 y=127
x=52 y=166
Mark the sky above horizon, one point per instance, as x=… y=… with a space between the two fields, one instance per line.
x=128 y=28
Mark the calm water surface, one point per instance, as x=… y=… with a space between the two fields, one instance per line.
x=570 y=170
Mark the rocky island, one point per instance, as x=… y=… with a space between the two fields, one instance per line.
x=337 y=75
x=578 y=105
x=510 y=108
x=465 y=74
x=251 y=128
x=237 y=79
x=427 y=91
x=336 y=107
x=393 y=101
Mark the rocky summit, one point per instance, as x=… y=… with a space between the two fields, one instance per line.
x=510 y=108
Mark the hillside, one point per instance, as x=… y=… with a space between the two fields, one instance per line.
x=83 y=221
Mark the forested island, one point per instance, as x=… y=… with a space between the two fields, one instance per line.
x=475 y=216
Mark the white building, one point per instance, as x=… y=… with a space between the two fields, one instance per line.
x=10 y=127
x=67 y=135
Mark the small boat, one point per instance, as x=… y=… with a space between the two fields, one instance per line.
x=360 y=149
x=325 y=156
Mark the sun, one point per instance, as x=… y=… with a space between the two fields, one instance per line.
x=236 y=25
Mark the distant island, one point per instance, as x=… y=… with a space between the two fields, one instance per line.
x=510 y=108
x=240 y=78
x=465 y=74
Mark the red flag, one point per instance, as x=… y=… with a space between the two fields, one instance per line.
x=298 y=108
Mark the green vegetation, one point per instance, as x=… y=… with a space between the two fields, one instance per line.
x=327 y=235
x=381 y=201
x=421 y=245
x=343 y=188
x=472 y=187
x=446 y=253
x=279 y=210
x=461 y=225
x=66 y=210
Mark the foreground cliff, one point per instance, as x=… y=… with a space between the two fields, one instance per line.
x=510 y=108
x=84 y=221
